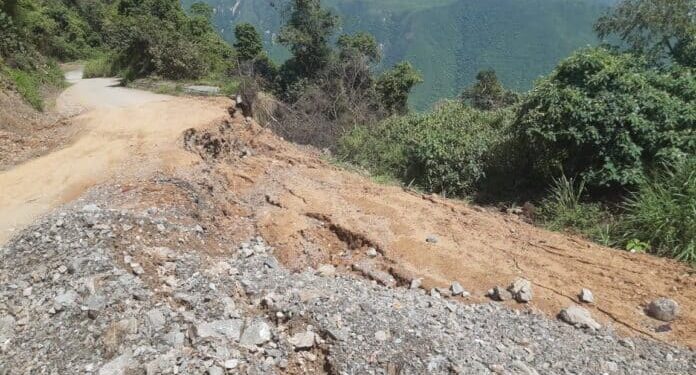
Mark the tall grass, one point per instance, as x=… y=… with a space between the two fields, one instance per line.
x=662 y=212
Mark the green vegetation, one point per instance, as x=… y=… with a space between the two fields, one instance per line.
x=609 y=136
x=99 y=66
x=448 y=151
x=395 y=85
x=608 y=118
x=662 y=212
x=447 y=41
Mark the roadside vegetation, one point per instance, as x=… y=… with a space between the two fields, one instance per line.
x=604 y=146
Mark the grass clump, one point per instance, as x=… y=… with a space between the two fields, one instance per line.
x=662 y=212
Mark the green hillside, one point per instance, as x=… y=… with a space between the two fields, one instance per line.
x=449 y=41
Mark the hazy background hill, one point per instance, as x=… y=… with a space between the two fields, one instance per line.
x=449 y=41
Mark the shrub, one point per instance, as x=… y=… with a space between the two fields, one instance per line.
x=99 y=66
x=447 y=151
x=662 y=212
x=608 y=118
x=27 y=85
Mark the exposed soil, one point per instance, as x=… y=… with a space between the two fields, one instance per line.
x=315 y=213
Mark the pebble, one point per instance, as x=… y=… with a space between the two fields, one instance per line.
x=586 y=296
x=303 y=340
x=416 y=283
x=458 y=290
x=579 y=317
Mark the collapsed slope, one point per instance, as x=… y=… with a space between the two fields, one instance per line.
x=189 y=250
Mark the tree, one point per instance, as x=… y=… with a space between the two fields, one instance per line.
x=488 y=93
x=361 y=45
x=395 y=85
x=609 y=118
x=307 y=34
x=650 y=27
x=249 y=44
x=201 y=9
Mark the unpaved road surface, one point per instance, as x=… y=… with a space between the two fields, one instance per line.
x=171 y=237
x=124 y=133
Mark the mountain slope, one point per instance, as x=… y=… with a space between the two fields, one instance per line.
x=449 y=41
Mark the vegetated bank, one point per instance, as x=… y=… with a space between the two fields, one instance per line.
x=605 y=146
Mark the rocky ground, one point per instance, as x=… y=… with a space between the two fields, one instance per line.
x=138 y=291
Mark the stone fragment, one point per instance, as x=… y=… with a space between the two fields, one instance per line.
x=458 y=290
x=431 y=239
x=521 y=290
x=156 y=319
x=228 y=328
x=499 y=294
x=327 y=270
x=586 y=296
x=231 y=364
x=215 y=370
x=416 y=283
x=256 y=333
x=370 y=270
x=372 y=252
x=303 y=340
x=664 y=309
x=578 y=317
x=381 y=336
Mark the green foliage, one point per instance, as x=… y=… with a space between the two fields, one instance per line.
x=637 y=246
x=395 y=85
x=201 y=9
x=362 y=45
x=99 y=66
x=650 y=27
x=564 y=210
x=307 y=33
x=608 y=118
x=27 y=85
x=488 y=93
x=662 y=212
x=446 y=151
x=249 y=44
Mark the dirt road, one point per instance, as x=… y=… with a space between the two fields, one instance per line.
x=314 y=213
x=124 y=133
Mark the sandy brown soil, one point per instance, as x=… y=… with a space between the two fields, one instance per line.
x=315 y=213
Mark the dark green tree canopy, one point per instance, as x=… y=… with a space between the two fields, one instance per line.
x=488 y=93
x=201 y=9
x=609 y=118
x=651 y=27
x=307 y=33
x=248 y=41
x=361 y=45
x=395 y=85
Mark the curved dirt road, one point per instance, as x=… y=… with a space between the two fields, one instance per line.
x=124 y=133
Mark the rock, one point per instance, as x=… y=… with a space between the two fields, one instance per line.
x=586 y=296
x=416 y=283
x=118 y=365
x=231 y=364
x=156 y=319
x=91 y=208
x=663 y=309
x=372 y=252
x=228 y=328
x=499 y=294
x=458 y=290
x=175 y=338
x=327 y=270
x=303 y=340
x=579 y=317
x=521 y=290
x=215 y=370
x=67 y=299
x=431 y=239
x=381 y=336
x=256 y=333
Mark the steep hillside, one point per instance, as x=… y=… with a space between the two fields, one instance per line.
x=448 y=40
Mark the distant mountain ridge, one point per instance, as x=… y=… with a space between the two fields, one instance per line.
x=449 y=41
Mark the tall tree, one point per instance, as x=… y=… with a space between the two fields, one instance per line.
x=395 y=85
x=488 y=93
x=201 y=9
x=249 y=44
x=307 y=34
x=651 y=27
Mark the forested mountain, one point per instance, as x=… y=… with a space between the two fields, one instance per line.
x=449 y=41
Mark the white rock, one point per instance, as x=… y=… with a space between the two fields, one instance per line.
x=663 y=309
x=303 y=340
x=586 y=296
x=579 y=317
x=458 y=290
x=256 y=333
x=416 y=283
x=521 y=290
x=381 y=336
x=231 y=364
x=327 y=270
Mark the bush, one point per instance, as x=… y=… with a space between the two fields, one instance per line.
x=447 y=151
x=100 y=66
x=662 y=212
x=27 y=85
x=608 y=118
